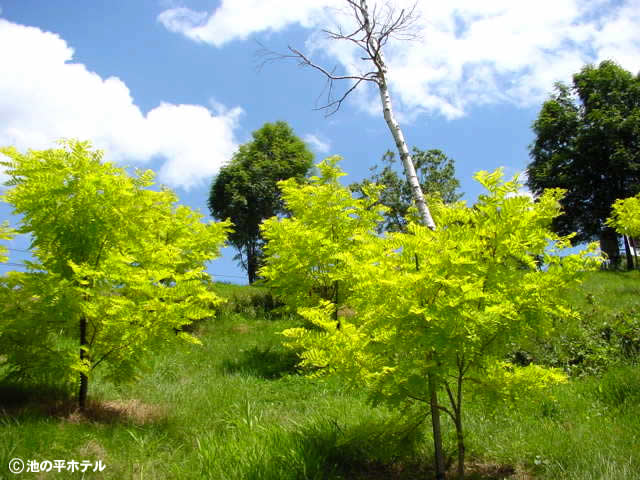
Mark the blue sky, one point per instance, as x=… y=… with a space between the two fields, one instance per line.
x=175 y=86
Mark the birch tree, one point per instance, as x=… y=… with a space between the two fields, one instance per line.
x=374 y=28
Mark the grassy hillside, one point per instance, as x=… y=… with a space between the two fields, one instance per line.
x=235 y=408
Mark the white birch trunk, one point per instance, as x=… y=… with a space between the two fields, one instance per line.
x=405 y=156
x=389 y=117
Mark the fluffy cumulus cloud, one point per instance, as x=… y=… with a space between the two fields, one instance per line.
x=466 y=52
x=44 y=96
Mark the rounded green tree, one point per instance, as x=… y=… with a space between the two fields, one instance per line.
x=587 y=143
x=246 y=192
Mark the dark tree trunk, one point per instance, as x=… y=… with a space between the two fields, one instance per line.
x=336 y=300
x=456 y=416
x=460 y=438
x=84 y=380
x=459 y=432
x=435 y=417
x=252 y=267
x=435 y=425
x=609 y=245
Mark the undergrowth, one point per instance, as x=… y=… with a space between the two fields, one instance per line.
x=237 y=408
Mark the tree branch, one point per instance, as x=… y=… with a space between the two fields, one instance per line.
x=305 y=61
x=369 y=35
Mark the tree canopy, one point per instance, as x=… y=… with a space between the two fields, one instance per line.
x=436 y=174
x=588 y=143
x=323 y=242
x=118 y=267
x=422 y=304
x=245 y=190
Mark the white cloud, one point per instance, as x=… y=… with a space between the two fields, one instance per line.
x=468 y=52
x=181 y=19
x=238 y=19
x=43 y=96
x=321 y=146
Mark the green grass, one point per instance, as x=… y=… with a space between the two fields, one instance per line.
x=607 y=333
x=571 y=432
x=250 y=300
x=235 y=408
x=231 y=408
x=612 y=292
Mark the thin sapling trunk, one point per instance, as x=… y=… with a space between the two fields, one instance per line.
x=84 y=379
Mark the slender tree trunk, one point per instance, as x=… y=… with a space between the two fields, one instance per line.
x=251 y=270
x=84 y=380
x=627 y=250
x=435 y=427
x=456 y=416
x=460 y=438
x=435 y=417
x=336 y=302
x=459 y=432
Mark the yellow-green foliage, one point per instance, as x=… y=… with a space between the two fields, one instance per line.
x=625 y=218
x=126 y=261
x=5 y=234
x=513 y=382
x=445 y=303
x=309 y=252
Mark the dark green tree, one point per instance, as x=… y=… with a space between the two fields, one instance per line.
x=588 y=142
x=436 y=174
x=246 y=190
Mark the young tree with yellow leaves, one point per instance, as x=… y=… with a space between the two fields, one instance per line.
x=441 y=305
x=119 y=267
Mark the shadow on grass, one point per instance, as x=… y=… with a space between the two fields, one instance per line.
x=42 y=401
x=17 y=398
x=269 y=363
